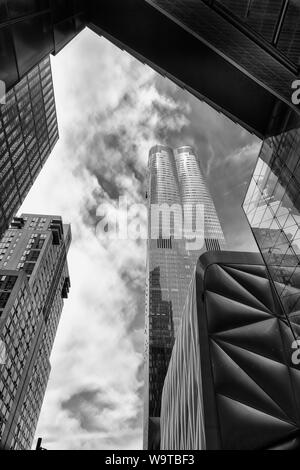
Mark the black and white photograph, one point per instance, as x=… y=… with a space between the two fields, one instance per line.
x=149 y=228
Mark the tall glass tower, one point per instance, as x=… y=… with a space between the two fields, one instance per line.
x=177 y=187
x=28 y=133
x=272 y=207
x=34 y=280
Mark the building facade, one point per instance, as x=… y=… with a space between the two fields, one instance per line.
x=31 y=30
x=272 y=207
x=34 y=280
x=231 y=383
x=240 y=56
x=177 y=186
x=28 y=133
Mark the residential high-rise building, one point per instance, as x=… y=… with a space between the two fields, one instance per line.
x=28 y=133
x=176 y=187
x=34 y=280
x=232 y=381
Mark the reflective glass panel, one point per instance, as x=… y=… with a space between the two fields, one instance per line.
x=263 y=16
x=238 y=7
x=289 y=39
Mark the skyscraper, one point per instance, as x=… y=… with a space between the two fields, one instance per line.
x=28 y=133
x=34 y=280
x=176 y=186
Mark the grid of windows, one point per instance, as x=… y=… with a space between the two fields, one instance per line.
x=28 y=133
x=28 y=417
x=30 y=315
x=17 y=330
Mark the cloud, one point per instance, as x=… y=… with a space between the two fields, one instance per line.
x=227 y=155
x=88 y=408
x=111 y=110
x=110 y=113
x=248 y=152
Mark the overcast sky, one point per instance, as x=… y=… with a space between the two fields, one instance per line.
x=111 y=109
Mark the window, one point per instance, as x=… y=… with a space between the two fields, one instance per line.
x=4 y=296
x=33 y=255
x=29 y=267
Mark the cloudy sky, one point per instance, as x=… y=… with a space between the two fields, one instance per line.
x=111 y=109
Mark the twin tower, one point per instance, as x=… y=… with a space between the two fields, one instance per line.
x=177 y=187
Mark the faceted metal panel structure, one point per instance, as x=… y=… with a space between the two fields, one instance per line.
x=175 y=177
x=239 y=56
x=231 y=383
x=28 y=133
x=34 y=280
x=272 y=207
